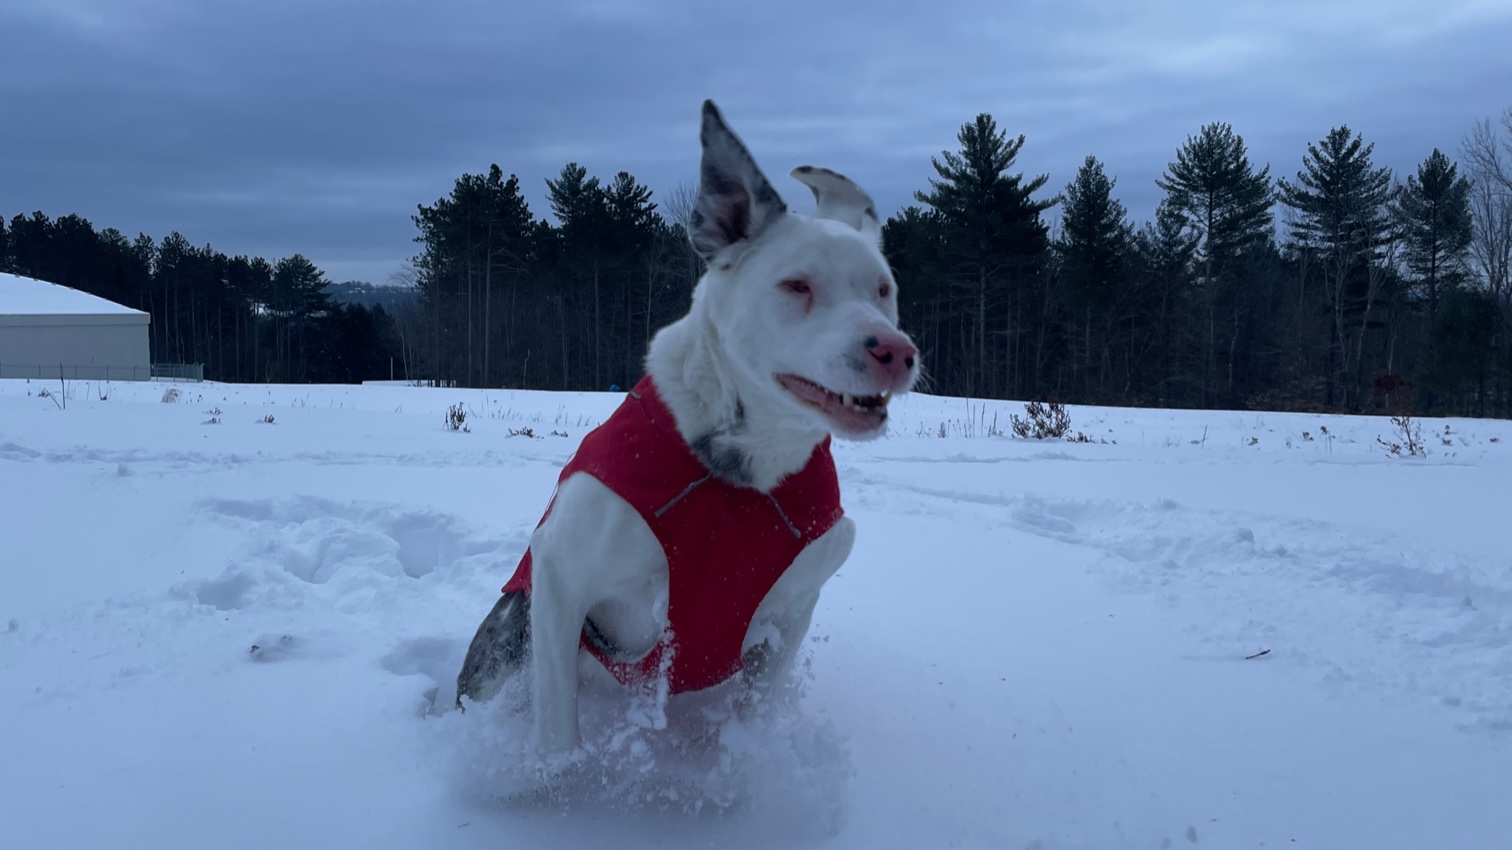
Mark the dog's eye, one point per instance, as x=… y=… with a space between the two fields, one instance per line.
x=795 y=286
x=883 y=290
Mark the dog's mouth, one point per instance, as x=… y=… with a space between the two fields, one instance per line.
x=855 y=414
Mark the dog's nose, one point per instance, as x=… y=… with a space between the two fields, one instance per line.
x=894 y=353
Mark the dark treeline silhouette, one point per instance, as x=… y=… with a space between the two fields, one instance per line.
x=1340 y=286
x=511 y=300
x=245 y=319
x=1372 y=294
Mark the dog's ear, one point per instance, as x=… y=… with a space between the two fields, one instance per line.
x=840 y=199
x=735 y=201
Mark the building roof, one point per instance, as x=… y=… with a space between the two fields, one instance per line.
x=26 y=296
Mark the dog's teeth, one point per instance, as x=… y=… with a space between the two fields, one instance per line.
x=847 y=399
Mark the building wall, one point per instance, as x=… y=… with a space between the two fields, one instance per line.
x=94 y=348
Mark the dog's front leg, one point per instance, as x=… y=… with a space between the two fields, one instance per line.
x=593 y=549
x=557 y=614
x=782 y=621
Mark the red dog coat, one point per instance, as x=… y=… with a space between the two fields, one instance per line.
x=726 y=545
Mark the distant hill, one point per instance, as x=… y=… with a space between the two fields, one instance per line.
x=370 y=294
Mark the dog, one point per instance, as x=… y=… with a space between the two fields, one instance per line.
x=690 y=535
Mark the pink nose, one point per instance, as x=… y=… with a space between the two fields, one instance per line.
x=895 y=354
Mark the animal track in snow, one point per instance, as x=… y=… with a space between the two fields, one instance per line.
x=1367 y=599
x=437 y=659
x=315 y=539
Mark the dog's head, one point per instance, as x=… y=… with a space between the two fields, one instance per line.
x=805 y=306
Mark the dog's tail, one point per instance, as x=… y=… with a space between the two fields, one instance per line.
x=498 y=649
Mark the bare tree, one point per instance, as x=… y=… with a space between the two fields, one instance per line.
x=677 y=205
x=1491 y=240
x=1488 y=148
x=409 y=316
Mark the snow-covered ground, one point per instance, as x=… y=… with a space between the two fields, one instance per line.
x=220 y=631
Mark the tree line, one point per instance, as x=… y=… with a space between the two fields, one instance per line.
x=245 y=319
x=1372 y=292
x=1345 y=287
x=1342 y=286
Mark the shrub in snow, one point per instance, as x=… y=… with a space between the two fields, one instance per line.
x=1408 y=439
x=1045 y=421
x=456 y=419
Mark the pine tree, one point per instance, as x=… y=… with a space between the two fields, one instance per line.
x=1166 y=250
x=1340 y=195
x=913 y=241
x=1341 y=201
x=631 y=211
x=1462 y=350
x=1433 y=212
x=638 y=237
x=581 y=207
x=994 y=228
x=298 y=299
x=509 y=246
x=481 y=231
x=1219 y=195
x=1094 y=238
x=1093 y=251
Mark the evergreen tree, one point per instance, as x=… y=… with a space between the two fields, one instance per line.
x=1433 y=212
x=581 y=208
x=1222 y=198
x=299 y=289
x=1095 y=235
x=1093 y=252
x=1462 y=351
x=914 y=243
x=510 y=246
x=995 y=235
x=1166 y=251
x=479 y=236
x=31 y=238
x=1168 y=244
x=1219 y=195
x=1340 y=195
x=640 y=241
x=631 y=213
x=298 y=299
x=1341 y=200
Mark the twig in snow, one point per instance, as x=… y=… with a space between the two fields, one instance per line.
x=1262 y=652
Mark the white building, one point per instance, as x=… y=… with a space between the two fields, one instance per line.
x=47 y=329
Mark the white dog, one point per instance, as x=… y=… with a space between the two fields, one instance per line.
x=690 y=535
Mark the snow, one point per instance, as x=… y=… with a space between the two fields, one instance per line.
x=25 y=296
x=1034 y=644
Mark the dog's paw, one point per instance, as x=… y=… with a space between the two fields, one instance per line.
x=286 y=647
x=563 y=772
x=275 y=648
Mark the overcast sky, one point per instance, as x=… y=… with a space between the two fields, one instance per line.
x=270 y=127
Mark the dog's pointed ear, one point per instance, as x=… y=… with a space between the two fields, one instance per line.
x=840 y=199
x=735 y=201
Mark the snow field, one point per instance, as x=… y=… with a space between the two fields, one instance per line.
x=1035 y=644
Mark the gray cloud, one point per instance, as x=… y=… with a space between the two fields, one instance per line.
x=286 y=126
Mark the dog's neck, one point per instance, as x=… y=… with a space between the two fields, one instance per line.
x=744 y=442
